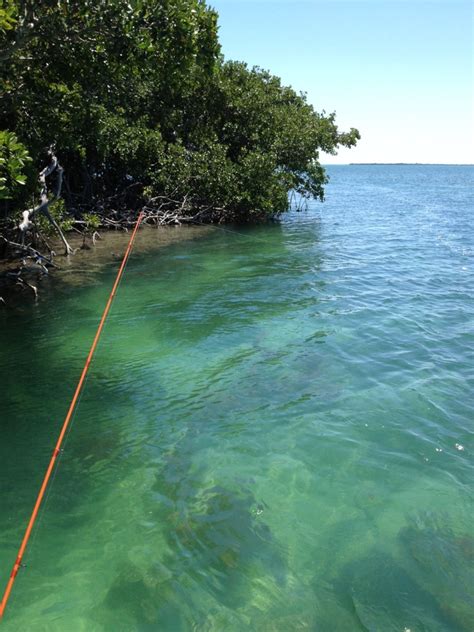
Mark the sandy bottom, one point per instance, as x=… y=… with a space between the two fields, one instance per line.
x=89 y=258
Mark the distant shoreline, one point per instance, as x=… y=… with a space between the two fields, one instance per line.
x=408 y=164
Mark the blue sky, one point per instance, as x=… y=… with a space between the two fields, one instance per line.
x=400 y=71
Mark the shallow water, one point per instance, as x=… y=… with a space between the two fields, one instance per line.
x=276 y=431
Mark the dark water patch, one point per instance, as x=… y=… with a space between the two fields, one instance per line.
x=442 y=559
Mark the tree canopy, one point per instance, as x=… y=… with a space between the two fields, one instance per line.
x=136 y=96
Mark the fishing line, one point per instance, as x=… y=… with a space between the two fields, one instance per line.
x=45 y=503
x=66 y=425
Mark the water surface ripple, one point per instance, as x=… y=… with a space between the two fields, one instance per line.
x=276 y=431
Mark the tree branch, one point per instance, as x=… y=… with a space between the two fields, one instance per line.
x=43 y=207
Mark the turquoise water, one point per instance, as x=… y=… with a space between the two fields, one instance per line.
x=276 y=431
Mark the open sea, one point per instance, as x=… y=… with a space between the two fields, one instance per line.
x=276 y=433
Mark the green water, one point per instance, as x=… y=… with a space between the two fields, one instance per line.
x=276 y=431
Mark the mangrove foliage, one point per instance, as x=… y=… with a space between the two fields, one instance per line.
x=138 y=106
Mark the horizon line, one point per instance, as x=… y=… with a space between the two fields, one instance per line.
x=368 y=164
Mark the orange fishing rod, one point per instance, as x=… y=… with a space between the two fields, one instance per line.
x=47 y=476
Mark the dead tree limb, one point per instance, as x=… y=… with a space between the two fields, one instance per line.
x=43 y=207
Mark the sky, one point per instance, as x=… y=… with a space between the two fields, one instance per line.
x=400 y=71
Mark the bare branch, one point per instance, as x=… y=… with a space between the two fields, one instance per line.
x=45 y=201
